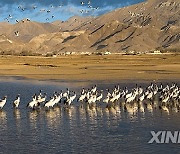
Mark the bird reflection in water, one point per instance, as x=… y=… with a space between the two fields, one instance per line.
x=3 y=119
x=70 y=111
x=53 y=117
x=33 y=118
x=82 y=112
x=149 y=107
x=106 y=112
x=99 y=111
x=114 y=110
x=91 y=113
x=91 y=110
x=17 y=114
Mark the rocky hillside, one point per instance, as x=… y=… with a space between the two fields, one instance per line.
x=147 y=26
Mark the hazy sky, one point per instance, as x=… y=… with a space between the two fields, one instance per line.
x=50 y=10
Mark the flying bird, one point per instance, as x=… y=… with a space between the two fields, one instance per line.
x=34 y=7
x=82 y=3
x=42 y=10
x=16 y=33
x=10 y=16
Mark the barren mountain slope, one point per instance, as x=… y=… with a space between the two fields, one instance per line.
x=27 y=30
x=147 y=26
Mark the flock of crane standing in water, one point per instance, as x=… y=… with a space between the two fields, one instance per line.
x=138 y=99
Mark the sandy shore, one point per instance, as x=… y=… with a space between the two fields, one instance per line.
x=82 y=67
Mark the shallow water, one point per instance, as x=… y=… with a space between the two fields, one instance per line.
x=78 y=129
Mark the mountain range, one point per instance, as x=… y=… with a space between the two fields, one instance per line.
x=143 y=27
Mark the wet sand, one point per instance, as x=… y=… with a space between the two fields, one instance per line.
x=82 y=67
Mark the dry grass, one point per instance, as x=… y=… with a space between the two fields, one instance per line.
x=111 y=67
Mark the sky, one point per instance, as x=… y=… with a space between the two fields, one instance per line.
x=50 y=10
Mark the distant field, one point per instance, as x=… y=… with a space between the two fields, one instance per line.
x=78 y=67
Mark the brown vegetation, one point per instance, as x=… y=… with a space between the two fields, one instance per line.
x=94 y=67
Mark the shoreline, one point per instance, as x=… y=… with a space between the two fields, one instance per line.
x=94 y=67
